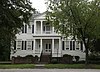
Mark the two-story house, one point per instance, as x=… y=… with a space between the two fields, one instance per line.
x=40 y=37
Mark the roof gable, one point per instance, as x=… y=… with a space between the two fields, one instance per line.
x=40 y=16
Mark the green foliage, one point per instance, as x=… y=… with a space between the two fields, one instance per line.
x=77 y=19
x=54 y=61
x=16 y=66
x=73 y=66
x=13 y=13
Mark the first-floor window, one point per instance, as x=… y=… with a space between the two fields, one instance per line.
x=24 y=43
x=18 y=45
x=72 y=45
x=77 y=45
x=67 y=45
x=29 y=45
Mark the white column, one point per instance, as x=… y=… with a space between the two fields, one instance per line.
x=60 y=46
x=41 y=27
x=34 y=46
x=40 y=45
x=52 y=45
x=34 y=27
x=53 y=30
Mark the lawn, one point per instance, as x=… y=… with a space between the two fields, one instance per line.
x=73 y=66
x=15 y=66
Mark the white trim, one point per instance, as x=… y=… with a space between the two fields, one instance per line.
x=52 y=46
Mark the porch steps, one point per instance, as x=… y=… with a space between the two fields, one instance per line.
x=44 y=59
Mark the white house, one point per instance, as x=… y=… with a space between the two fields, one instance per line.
x=40 y=37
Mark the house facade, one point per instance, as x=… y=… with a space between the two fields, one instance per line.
x=40 y=38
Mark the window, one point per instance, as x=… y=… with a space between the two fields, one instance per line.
x=77 y=45
x=24 y=29
x=29 y=45
x=18 y=45
x=24 y=43
x=67 y=45
x=72 y=45
x=46 y=28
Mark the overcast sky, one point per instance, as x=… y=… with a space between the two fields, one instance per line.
x=39 y=5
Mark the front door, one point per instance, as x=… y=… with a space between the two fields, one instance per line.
x=47 y=48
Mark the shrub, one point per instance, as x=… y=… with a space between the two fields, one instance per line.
x=54 y=61
x=77 y=58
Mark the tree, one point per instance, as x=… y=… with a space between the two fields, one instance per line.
x=79 y=19
x=13 y=13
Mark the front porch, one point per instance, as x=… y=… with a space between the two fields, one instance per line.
x=47 y=47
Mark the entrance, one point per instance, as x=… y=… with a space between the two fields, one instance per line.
x=47 y=48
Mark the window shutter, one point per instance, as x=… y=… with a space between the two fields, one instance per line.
x=25 y=44
x=14 y=45
x=25 y=28
x=32 y=28
x=32 y=45
x=73 y=45
x=70 y=45
x=22 y=45
x=81 y=46
x=63 y=45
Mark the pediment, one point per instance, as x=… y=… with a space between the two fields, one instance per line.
x=40 y=16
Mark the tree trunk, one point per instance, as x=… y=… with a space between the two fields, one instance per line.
x=86 y=59
x=86 y=44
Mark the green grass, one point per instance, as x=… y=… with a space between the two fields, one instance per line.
x=15 y=66
x=72 y=66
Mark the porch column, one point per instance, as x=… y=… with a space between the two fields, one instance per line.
x=59 y=51
x=40 y=45
x=41 y=27
x=53 y=30
x=52 y=45
x=34 y=46
x=34 y=27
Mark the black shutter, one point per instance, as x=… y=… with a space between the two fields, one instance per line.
x=22 y=45
x=81 y=46
x=70 y=45
x=32 y=28
x=14 y=45
x=73 y=45
x=63 y=45
x=25 y=28
x=32 y=45
x=25 y=44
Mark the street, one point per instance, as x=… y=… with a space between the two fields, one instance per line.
x=49 y=70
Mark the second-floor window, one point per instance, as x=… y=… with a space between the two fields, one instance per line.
x=24 y=29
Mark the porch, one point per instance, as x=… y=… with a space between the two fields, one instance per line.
x=47 y=47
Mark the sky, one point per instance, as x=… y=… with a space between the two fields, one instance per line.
x=39 y=5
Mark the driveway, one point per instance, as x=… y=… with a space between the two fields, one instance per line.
x=49 y=70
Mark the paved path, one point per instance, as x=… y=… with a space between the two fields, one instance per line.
x=49 y=70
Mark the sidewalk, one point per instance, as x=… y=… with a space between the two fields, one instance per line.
x=39 y=66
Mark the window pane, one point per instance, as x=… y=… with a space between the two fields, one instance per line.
x=67 y=45
x=77 y=45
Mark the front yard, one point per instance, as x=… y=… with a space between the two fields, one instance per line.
x=50 y=66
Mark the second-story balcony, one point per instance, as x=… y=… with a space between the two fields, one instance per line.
x=42 y=27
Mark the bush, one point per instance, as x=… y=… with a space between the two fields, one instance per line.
x=67 y=59
x=54 y=61
x=77 y=58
